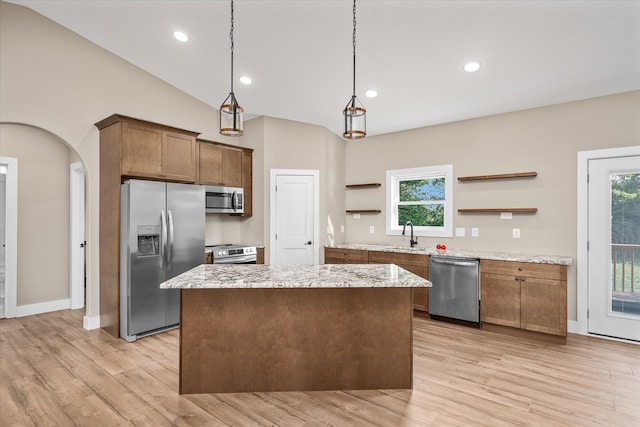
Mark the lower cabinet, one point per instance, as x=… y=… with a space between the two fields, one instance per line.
x=415 y=263
x=345 y=256
x=516 y=294
x=524 y=295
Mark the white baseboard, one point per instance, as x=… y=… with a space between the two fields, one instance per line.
x=573 y=327
x=91 y=322
x=43 y=307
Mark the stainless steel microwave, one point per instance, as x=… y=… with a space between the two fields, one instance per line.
x=223 y=199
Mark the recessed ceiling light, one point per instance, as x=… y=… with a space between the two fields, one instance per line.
x=179 y=35
x=472 y=66
x=371 y=93
x=245 y=80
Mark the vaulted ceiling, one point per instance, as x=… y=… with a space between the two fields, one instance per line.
x=299 y=53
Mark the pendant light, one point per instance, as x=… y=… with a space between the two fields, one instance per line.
x=230 y=111
x=355 y=115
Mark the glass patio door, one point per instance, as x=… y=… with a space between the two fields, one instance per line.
x=614 y=247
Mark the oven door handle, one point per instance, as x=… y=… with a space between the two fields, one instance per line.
x=240 y=259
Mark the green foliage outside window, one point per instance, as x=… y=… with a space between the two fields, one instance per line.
x=625 y=209
x=429 y=195
x=421 y=215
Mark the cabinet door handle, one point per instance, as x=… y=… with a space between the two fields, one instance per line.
x=522 y=279
x=517 y=279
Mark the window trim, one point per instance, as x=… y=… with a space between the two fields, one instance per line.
x=394 y=176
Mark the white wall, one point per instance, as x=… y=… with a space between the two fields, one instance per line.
x=545 y=140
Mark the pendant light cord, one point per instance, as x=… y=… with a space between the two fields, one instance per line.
x=231 y=37
x=354 y=48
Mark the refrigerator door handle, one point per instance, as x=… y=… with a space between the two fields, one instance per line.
x=170 y=243
x=163 y=238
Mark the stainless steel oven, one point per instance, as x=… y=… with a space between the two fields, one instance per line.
x=233 y=254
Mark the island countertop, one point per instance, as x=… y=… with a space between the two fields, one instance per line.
x=259 y=276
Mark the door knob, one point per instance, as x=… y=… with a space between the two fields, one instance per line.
x=308 y=243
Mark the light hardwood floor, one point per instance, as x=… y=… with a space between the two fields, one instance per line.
x=53 y=372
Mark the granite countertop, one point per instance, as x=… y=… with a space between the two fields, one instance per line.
x=497 y=256
x=237 y=276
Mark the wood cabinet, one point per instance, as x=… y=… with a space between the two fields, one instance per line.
x=416 y=263
x=133 y=148
x=247 y=181
x=154 y=152
x=345 y=256
x=219 y=165
x=524 y=295
x=260 y=256
x=226 y=165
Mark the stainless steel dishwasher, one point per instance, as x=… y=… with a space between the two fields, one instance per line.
x=454 y=294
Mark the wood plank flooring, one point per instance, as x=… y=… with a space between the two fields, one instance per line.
x=54 y=373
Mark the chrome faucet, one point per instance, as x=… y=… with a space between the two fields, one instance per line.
x=412 y=242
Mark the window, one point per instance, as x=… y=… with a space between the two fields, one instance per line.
x=423 y=196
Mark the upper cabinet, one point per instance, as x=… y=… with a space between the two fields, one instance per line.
x=153 y=151
x=219 y=165
x=133 y=148
x=228 y=166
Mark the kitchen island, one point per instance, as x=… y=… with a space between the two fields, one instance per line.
x=252 y=328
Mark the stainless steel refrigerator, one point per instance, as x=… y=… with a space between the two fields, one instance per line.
x=161 y=236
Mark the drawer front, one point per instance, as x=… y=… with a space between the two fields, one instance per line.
x=352 y=256
x=524 y=269
x=379 y=257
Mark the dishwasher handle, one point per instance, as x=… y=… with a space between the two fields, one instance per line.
x=458 y=262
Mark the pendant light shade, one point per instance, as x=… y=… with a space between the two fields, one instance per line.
x=230 y=111
x=355 y=120
x=355 y=115
x=231 y=117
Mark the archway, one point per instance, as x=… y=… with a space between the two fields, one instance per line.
x=44 y=210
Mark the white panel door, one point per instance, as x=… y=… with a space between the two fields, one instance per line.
x=9 y=220
x=295 y=219
x=78 y=243
x=614 y=247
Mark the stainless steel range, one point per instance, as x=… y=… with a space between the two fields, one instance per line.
x=233 y=254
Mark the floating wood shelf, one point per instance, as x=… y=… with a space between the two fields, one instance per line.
x=500 y=176
x=498 y=210
x=357 y=186
x=364 y=211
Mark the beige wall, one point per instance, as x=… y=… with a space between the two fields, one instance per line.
x=294 y=145
x=43 y=212
x=55 y=80
x=232 y=229
x=545 y=140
